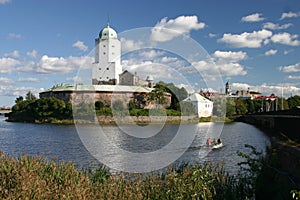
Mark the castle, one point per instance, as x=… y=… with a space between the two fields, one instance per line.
x=109 y=82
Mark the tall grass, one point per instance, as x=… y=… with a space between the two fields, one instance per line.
x=27 y=177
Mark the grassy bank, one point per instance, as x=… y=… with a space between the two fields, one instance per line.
x=28 y=177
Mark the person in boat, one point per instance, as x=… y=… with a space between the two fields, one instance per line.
x=218 y=141
x=208 y=141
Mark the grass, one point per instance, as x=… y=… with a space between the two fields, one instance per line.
x=27 y=177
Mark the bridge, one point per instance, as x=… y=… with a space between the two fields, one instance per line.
x=284 y=121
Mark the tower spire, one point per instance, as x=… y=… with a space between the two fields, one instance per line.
x=108 y=20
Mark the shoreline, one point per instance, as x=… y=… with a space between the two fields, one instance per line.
x=140 y=120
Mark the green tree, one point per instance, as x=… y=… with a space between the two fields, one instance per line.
x=282 y=104
x=230 y=107
x=294 y=101
x=187 y=108
x=30 y=96
x=219 y=108
x=19 y=99
x=240 y=107
x=178 y=94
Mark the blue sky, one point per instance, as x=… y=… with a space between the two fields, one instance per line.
x=252 y=43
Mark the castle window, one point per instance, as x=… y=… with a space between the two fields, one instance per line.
x=107 y=78
x=113 y=53
x=104 y=53
x=99 y=68
x=112 y=45
x=107 y=68
x=104 y=46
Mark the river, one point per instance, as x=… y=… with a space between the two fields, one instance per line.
x=63 y=142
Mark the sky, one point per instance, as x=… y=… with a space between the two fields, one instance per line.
x=251 y=43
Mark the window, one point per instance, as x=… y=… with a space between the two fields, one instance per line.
x=104 y=45
x=113 y=53
x=104 y=53
x=107 y=78
x=99 y=68
x=112 y=46
x=107 y=68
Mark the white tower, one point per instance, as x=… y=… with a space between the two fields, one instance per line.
x=107 y=66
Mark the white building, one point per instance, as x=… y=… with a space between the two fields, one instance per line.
x=203 y=106
x=107 y=66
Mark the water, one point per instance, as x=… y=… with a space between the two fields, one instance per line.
x=62 y=142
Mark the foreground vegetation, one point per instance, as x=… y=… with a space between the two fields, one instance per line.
x=27 y=177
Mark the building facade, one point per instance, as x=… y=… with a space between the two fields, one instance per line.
x=203 y=106
x=107 y=66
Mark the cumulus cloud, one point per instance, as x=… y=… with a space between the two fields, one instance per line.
x=270 y=52
x=32 y=54
x=6 y=81
x=289 y=15
x=14 y=54
x=166 y=30
x=4 y=1
x=130 y=45
x=7 y=65
x=230 y=56
x=14 y=36
x=29 y=80
x=286 y=38
x=290 y=68
x=220 y=68
x=272 y=26
x=256 y=17
x=249 y=40
x=60 y=65
x=80 y=46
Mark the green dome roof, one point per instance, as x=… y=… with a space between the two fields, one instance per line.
x=107 y=33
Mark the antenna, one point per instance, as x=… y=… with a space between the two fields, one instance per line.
x=108 y=20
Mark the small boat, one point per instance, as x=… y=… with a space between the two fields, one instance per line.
x=217 y=146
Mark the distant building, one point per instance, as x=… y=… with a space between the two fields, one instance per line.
x=203 y=106
x=228 y=88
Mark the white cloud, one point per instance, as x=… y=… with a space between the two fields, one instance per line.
x=272 y=26
x=290 y=68
x=6 y=81
x=249 y=40
x=80 y=45
x=230 y=56
x=270 y=52
x=212 y=35
x=14 y=36
x=256 y=17
x=57 y=65
x=220 y=68
x=289 y=15
x=286 y=38
x=30 y=80
x=9 y=90
x=130 y=45
x=7 y=65
x=294 y=77
x=14 y=54
x=76 y=79
x=4 y=1
x=166 y=30
x=32 y=54
x=150 y=54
